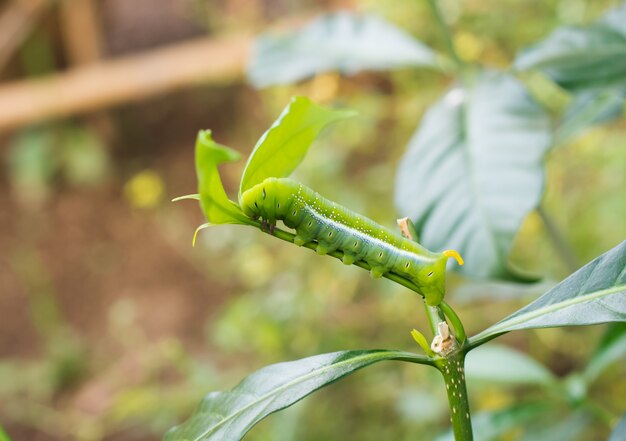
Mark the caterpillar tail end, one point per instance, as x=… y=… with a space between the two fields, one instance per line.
x=455 y=255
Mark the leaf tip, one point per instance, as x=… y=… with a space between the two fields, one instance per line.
x=195 y=234
x=195 y=197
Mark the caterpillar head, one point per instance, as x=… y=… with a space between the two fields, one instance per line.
x=432 y=278
x=251 y=201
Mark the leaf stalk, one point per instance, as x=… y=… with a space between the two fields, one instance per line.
x=445 y=30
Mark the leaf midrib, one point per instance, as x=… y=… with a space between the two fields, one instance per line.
x=544 y=62
x=502 y=327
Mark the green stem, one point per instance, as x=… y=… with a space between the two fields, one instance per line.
x=434 y=315
x=445 y=30
x=452 y=369
x=603 y=414
x=561 y=246
x=451 y=366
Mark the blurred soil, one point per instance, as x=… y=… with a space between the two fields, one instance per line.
x=114 y=250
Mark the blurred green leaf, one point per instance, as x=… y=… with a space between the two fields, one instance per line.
x=494 y=363
x=84 y=156
x=615 y=18
x=493 y=425
x=283 y=146
x=590 y=108
x=3 y=435
x=343 y=42
x=566 y=430
x=594 y=294
x=474 y=170
x=612 y=347
x=582 y=57
x=213 y=199
x=230 y=415
x=32 y=164
x=619 y=433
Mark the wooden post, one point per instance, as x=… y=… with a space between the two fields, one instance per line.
x=103 y=84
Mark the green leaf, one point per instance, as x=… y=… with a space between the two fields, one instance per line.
x=590 y=108
x=615 y=19
x=230 y=415
x=343 y=42
x=582 y=57
x=594 y=294
x=474 y=170
x=493 y=425
x=215 y=204
x=566 y=430
x=494 y=363
x=612 y=347
x=283 y=146
x=619 y=433
x=3 y=435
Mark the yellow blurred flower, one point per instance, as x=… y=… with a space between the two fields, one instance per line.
x=145 y=189
x=469 y=46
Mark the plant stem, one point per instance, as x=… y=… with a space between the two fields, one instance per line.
x=603 y=414
x=434 y=8
x=434 y=315
x=561 y=246
x=452 y=369
x=451 y=366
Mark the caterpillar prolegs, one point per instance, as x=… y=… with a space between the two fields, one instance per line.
x=333 y=227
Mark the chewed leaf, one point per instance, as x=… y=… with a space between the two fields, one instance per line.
x=193 y=197
x=213 y=199
x=281 y=149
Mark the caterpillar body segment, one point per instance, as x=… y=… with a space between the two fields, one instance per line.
x=335 y=228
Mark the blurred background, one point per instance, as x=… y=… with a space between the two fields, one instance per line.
x=112 y=327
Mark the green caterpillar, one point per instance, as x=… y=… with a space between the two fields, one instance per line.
x=333 y=227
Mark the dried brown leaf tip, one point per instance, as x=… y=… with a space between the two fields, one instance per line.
x=406 y=228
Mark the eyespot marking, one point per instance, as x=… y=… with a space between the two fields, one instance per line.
x=430 y=274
